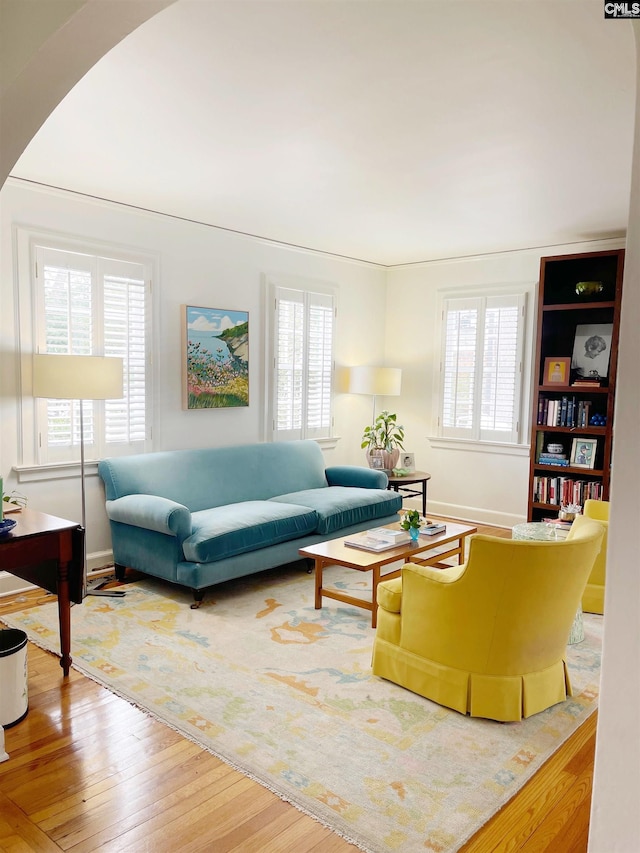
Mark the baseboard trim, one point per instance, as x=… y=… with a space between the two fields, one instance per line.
x=469 y=514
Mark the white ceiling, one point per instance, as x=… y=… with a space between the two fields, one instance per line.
x=383 y=130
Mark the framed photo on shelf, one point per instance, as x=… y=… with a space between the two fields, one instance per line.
x=591 y=350
x=376 y=462
x=556 y=371
x=408 y=462
x=583 y=452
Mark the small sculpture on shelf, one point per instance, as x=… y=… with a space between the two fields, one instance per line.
x=598 y=420
x=568 y=512
x=588 y=289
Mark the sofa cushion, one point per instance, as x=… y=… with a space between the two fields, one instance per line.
x=340 y=506
x=236 y=528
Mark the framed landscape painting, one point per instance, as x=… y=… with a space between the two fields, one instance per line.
x=215 y=359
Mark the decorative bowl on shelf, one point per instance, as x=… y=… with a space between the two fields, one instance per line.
x=589 y=288
x=568 y=512
x=6 y=526
x=554 y=448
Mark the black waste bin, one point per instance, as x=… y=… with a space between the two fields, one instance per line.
x=14 y=696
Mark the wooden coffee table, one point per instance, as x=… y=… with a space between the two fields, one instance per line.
x=334 y=552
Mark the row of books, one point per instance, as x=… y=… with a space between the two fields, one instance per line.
x=565 y=490
x=565 y=412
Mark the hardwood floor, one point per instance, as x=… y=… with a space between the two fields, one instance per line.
x=88 y=772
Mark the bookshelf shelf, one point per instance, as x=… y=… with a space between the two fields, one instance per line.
x=569 y=421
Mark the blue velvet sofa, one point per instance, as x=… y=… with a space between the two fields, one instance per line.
x=201 y=517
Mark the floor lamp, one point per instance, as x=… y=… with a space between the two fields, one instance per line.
x=376 y=381
x=79 y=377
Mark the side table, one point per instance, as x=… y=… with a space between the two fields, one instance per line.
x=541 y=532
x=48 y=552
x=398 y=484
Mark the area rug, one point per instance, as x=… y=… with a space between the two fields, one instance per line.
x=285 y=693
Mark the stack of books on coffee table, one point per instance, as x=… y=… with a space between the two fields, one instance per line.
x=378 y=539
x=430 y=528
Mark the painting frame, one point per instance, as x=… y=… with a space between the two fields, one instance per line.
x=557 y=371
x=592 y=350
x=215 y=358
x=583 y=452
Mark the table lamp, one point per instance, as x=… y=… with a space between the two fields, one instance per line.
x=79 y=377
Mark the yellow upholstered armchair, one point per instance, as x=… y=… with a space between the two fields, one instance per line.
x=593 y=597
x=487 y=638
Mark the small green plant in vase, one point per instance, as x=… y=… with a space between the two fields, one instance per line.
x=411 y=521
x=383 y=441
x=12 y=500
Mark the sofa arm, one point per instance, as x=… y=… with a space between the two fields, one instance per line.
x=152 y=512
x=353 y=475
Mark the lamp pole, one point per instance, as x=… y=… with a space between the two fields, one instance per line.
x=79 y=377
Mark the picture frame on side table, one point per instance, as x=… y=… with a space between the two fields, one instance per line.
x=556 y=371
x=408 y=462
x=583 y=452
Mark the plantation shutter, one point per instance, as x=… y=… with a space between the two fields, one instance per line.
x=88 y=305
x=125 y=332
x=303 y=364
x=460 y=366
x=481 y=367
x=501 y=364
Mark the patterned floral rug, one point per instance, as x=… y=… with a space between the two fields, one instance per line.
x=285 y=694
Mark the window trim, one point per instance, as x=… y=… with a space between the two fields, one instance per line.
x=271 y=284
x=523 y=291
x=25 y=241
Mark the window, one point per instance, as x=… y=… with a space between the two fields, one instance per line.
x=92 y=304
x=481 y=367
x=303 y=322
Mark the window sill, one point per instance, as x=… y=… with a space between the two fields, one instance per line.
x=55 y=471
x=498 y=447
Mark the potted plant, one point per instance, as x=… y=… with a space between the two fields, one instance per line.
x=383 y=441
x=411 y=521
x=13 y=499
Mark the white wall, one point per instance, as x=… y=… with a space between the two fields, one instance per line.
x=488 y=484
x=197 y=266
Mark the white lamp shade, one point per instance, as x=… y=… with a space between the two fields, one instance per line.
x=376 y=381
x=77 y=377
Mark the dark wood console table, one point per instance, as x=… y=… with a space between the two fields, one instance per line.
x=48 y=552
